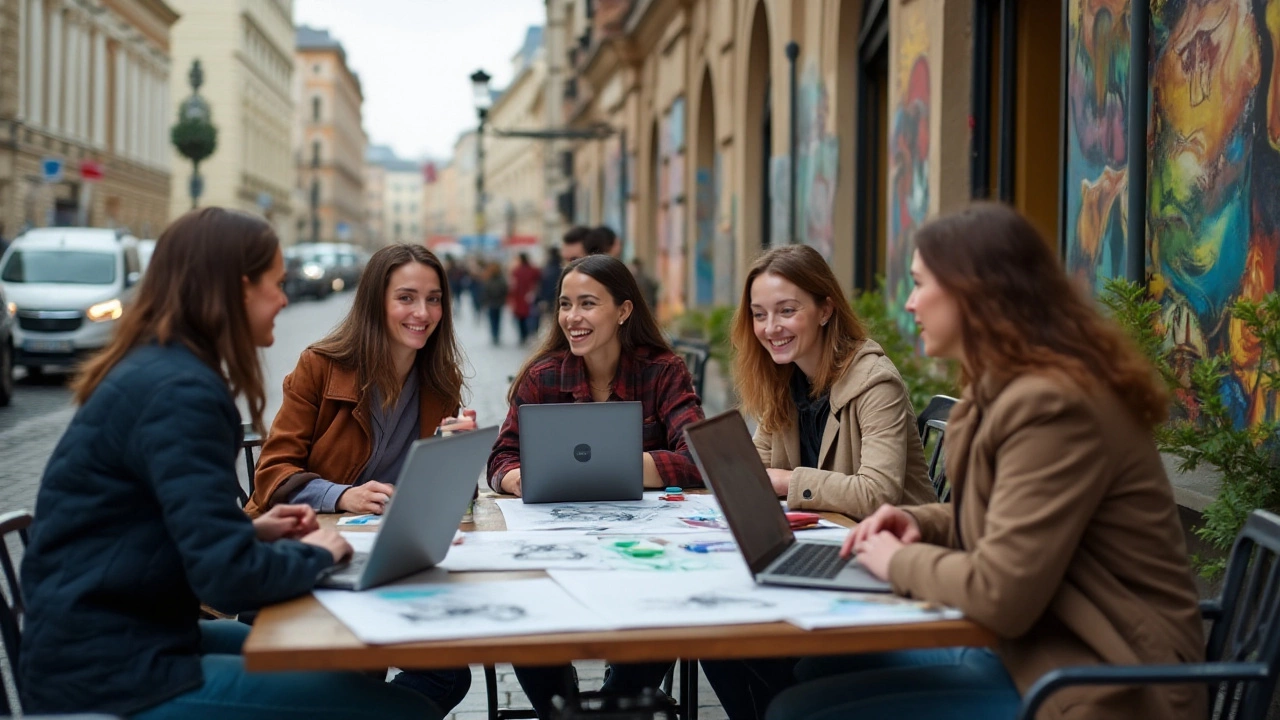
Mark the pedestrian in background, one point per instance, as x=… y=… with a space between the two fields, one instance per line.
x=137 y=520
x=548 y=284
x=572 y=243
x=523 y=296
x=494 y=297
x=602 y=240
x=648 y=286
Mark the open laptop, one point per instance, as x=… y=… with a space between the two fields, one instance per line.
x=437 y=480
x=581 y=452
x=730 y=464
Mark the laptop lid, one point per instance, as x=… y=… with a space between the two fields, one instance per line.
x=730 y=464
x=437 y=480
x=581 y=452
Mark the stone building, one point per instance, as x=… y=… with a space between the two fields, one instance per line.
x=330 y=156
x=84 y=90
x=246 y=50
x=515 y=167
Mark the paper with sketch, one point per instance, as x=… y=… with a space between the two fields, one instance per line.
x=640 y=516
x=562 y=550
x=724 y=597
x=369 y=520
x=851 y=609
x=411 y=613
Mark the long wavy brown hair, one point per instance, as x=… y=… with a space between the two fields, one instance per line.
x=763 y=385
x=193 y=294
x=640 y=330
x=1019 y=313
x=361 y=341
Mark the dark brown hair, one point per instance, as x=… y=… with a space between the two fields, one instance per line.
x=1019 y=313
x=763 y=385
x=640 y=329
x=193 y=294
x=360 y=341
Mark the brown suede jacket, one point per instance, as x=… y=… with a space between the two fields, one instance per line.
x=322 y=430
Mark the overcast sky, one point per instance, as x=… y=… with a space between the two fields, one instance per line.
x=414 y=58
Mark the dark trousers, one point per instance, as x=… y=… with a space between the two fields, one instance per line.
x=541 y=684
x=745 y=687
x=495 y=324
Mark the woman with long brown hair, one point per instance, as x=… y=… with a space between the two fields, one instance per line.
x=608 y=348
x=1062 y=536
x=137 y=521
x=388 y=375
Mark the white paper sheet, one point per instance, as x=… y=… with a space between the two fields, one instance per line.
x=553 y=549
x=723 y=597
x=851 y=609
x=410 y=613
x=359 y=541
x=636 y=516
x=367 y=520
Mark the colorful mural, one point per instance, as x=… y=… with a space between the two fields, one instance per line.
x=707 y=192
x=1097 y=175
x=818 y=155
x=909 y=149
x=671 y=217
x=779 y=199
x=1214 y=208
x=613 y=189
x=726 y=233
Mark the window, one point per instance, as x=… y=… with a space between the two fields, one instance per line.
x=69 y=267
x=315 y=109
x=316 y=69
x=315 y=153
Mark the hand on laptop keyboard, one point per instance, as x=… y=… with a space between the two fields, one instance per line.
x=330 y=540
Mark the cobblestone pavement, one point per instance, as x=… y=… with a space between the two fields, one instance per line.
x=41 y=410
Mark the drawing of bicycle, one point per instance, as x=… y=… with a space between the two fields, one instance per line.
x=537 y=552
x=713 y=601
x=436 y=610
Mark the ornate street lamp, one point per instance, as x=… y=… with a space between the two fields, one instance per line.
x=194 y=135
x=483 y=100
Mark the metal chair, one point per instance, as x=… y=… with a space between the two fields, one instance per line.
x=1243 y=651
x=695 y=354
x=12 y=608
x=932 y=424
x=250 y=441
x=686 y=707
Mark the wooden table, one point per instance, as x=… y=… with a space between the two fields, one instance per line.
x=302 y=635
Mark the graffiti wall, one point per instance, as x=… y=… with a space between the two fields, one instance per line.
x=671 y=232
x=817 y=158
x=707 y=180
x=1214 y=208
x=1097 y=156
x=910 y=147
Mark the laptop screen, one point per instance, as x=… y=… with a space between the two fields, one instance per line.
x=731 y=466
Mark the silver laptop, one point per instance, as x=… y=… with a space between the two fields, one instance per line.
x=730 y=464
x=437 y=480
x=581 y=452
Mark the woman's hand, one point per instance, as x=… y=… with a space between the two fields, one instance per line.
x=285 y=521
x=369 y=498
x=888 y=519
x=781 y=480
x=330 y=540
x=876 y=552
x=465 y=422
x=511 y=482
x=649 y=475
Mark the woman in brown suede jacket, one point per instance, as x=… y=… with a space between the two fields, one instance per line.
x=1062 y=536
x=386 y=376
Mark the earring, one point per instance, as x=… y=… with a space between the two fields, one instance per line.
x=823 y=323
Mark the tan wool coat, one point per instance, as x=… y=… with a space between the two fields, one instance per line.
x=870 y=453
x=323 y=430
x=1063 y=538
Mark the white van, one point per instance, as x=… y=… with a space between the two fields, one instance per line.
x=67 y=287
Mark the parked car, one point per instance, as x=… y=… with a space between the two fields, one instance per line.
x=303 y=276
x=145 y=249
x=67 y=287
x=6 y=350
x=343 y=263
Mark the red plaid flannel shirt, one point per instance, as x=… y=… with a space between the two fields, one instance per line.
x=657 y=378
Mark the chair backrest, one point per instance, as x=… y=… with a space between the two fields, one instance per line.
x=12 y=608
x=695 y=356
x=251 y=440
x=1246 y=618
x=934 y=431
x=939 y=408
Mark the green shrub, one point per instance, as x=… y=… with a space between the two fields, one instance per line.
x=1203 y=431
x=924 y=376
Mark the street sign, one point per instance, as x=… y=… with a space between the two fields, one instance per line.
x=90 y=170
x=51 y=169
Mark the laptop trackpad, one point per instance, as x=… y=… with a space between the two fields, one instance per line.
x=856 y=577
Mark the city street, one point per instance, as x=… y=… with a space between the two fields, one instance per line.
x=41 y=410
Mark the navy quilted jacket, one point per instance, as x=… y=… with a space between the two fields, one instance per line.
x=136 y=523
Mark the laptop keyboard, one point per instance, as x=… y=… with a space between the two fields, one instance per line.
x=811 y=560
x=351 y=568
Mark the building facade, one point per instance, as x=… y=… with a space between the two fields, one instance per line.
x=724 y=143
x=396 y=201
x=515 y=167
x=330 y=157
x=246 y=50
x=84 y=91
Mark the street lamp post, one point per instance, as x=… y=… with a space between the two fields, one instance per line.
x=483 y=100
x=194 y=135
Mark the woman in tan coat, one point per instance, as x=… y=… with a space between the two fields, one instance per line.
x=388 y=375
x=1062 y=536
x=836 y=429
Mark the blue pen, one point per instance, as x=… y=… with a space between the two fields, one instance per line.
x=710 y=547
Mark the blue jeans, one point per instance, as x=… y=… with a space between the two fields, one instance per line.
x=947 y=684
x=230 y=692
